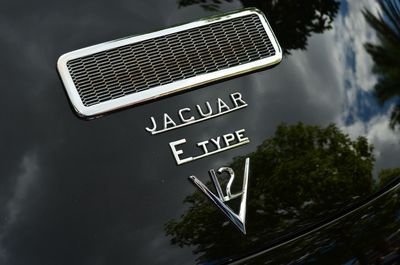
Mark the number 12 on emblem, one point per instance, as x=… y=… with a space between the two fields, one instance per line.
x=220 y=199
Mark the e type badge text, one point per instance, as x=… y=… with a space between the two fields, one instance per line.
x=211 y=146
x=198 y=113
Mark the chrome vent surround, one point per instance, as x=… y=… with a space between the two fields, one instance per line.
x=163 y=60
x=128 y=71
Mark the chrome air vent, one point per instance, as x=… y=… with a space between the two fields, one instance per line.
x=128 y=71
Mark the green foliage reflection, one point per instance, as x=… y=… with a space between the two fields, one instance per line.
x=386 y=54
x=299 y=176
x=291 y=27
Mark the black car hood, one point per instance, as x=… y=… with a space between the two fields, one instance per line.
x=105 y=191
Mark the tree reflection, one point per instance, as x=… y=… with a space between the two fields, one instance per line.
x=298 y=177
x=386 y=54
x=291 y=26
x=368 y=236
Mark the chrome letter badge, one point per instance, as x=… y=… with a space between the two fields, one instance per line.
x=219 y=201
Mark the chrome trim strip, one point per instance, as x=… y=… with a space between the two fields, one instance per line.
x=262 y=252
x=160 y=91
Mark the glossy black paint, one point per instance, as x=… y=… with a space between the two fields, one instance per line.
x=367 y=235
x=104 y=191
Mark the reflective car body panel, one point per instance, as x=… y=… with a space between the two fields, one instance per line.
x=107 y=191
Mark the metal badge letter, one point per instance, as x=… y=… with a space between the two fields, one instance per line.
x=219 y=201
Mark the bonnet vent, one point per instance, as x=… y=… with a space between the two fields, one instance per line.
x=128 y=71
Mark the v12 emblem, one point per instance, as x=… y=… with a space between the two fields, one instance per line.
x=238 y=219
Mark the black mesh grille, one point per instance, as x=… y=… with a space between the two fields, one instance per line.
x=143 y=65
